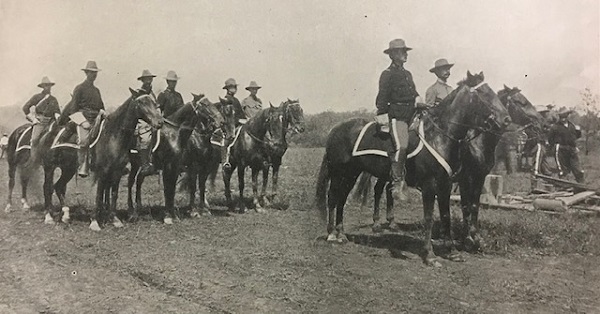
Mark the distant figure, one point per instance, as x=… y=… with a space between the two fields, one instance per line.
x=88 y=101
x=540 y=164
x=143 y=131
x=550 y=114
x=45 y=110
x=396 y=98
x=3 y=144
x=252 y=104
x=440 y=89
x=170 y=100
x=240 y=117
x=564 y=135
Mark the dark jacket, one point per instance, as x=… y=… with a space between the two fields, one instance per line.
x=87 y=99
x=564 y=135
x=47 y=108
x=237 y=107
x=169 y=101
x=397 y=92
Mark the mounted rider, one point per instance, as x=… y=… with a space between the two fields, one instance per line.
x=143 y=131
x=252 y=104
x=86 y=109
x=440 y=89
x=239 y=115
x=396 y=98
x=170 y=100
x=45 y=110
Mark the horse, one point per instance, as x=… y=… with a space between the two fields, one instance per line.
x=111 y=150
x=478 y=159
x=249 y=148
x=293 y=122
x=473 y=105
x=175 y=136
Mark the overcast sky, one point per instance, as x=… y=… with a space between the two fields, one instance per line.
x=326 y=53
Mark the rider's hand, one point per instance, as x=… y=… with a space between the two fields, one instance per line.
x=421 y=105
x=102 y=113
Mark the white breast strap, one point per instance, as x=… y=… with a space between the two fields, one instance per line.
x=435 y=154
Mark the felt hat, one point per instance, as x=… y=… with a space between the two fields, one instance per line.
x=563 y=112
x=397 y=44
x=541 y=108
x=230 y=82
x=45 y=81
x=550 y=106
x=441 y=63
x=91 y=66
x=172 y=76
x=146 y=73
x=253 y=85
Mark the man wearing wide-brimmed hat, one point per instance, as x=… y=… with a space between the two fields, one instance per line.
x=170 y=100
x=143 y=130
x=540 y=164
x=440 y=89
x=396 y=98
x=252 y=104
x=563 y=135
x=45 y=109
x=230 y=87
x=88 y=101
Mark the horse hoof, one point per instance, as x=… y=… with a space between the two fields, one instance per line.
x=341 y=238
x=470 y=245
x=260 y=210
x=25 y=204
x=195 y=214
x=117 y=223
x=66 y=216
x=48 y=219
x=205 y=213
x=331 y=238
x=394 y=226
x=8 y=208
x=94 y=225
x=432 y=261
x=377 y=228
x=168 y=221
x=455 y=257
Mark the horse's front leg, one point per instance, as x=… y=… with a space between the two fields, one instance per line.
x=60 y=188
x=24 y=183
x=227 y=182
x=428 y=195
x=131 y=180
x=443 y=198
x=275 y=188
x=255 y=197
x=114 y=191
x=169 y=182
x=204 y=206
x=48 y=191
x=95 y=216
x=241 y=171
x=265 y=183
x=378 y=191
x=12 y=170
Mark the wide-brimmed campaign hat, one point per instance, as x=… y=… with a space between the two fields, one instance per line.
x=146 y=73
x=45 y=82
x=541 y=108
x=550 y=106
x=230 y=82
x=91 y=66
x=441 y=63
x=397 y=44
x=253 y=85
x=564 y=111
x=172 y=76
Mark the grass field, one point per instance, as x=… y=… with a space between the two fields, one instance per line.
x=278 y=262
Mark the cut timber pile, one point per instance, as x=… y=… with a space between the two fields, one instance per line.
x=548 y=194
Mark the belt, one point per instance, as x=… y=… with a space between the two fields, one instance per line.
x=401 y=104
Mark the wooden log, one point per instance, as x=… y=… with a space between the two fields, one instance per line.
x=579 y=197
x=565 y=183
x=549 y=204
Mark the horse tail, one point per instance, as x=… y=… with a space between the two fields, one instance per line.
x=362 y=189
x=322 y=181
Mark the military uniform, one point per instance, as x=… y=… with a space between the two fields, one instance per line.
x=437 y=92
x=563 y=136
x=237 y=108
x=46 y=110
x=169 y=101
x=251 y=106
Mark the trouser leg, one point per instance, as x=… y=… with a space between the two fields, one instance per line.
x=575 y=166
x=399 y=132
x=82 y=152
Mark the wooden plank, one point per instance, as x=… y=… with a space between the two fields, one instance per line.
x=579 y=197
x=549 y=204
x=566 y=183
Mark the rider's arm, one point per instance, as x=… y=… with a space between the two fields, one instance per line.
x=385 y=90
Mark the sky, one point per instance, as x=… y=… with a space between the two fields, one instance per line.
x=329 y=54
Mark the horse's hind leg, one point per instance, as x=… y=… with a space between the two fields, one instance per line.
x=332 y=197
x=389 y=209
x=379 y=187
x=204 y=206
x=60 y=188
x=24 y=183
x=12 y=169
x=346 y=187
x=48 y=192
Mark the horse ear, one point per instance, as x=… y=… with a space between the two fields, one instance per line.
x=270 y=104
x=469 y=75
x=133 y=92
x=482 y=76
x=506 y=87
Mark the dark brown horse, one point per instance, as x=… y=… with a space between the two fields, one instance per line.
x=478 y=159
x=474 y=105
x=175 y=136
x=249 y=149
x=111 y=150
x=293 y=121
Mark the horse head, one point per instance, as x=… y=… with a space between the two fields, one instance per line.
x=209 y=113
x=294 y=115
x=521 y=111
x=146 y=108
x=489 y=107
x=275 y=127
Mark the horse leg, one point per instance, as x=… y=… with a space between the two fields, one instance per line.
x=332 y=197
x=474 y=217
x=428 y=196
x=99 y=204
x=169 y=182
x=113 y=200
x=265 y=183
x=204 y=206
x=255 y=197
x=379 y=187
x=24 y=182
x=241 y=172
x=139 y=181
x=393 y=226
x=192 y=175
x=48 y=191
x=275 y=188
x=443 y=198
x=60 y=188
x=12 y=169
x=131 y=180
x=346 y=187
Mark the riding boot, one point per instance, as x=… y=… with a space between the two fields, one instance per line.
x=397 y=175
x=82 y=155
x=147 y=168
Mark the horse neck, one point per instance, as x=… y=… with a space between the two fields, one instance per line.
x=121 y=123
x=452 y=118
x=181 y=115
x=257 y=125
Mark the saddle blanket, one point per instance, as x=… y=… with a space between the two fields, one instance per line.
x=24 y=141
x=71 y=142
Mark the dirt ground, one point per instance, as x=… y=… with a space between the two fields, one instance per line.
x=268 y=263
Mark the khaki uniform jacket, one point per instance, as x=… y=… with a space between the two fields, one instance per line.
x=436 y=92
x=251 y=106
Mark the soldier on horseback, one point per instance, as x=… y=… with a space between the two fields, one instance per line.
x=440 y=89
x=170 y=100
x=396 y=98
x=240 y=117
x=252 y=104
x=45 y=109
x=143 y=130
x=88 y=101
